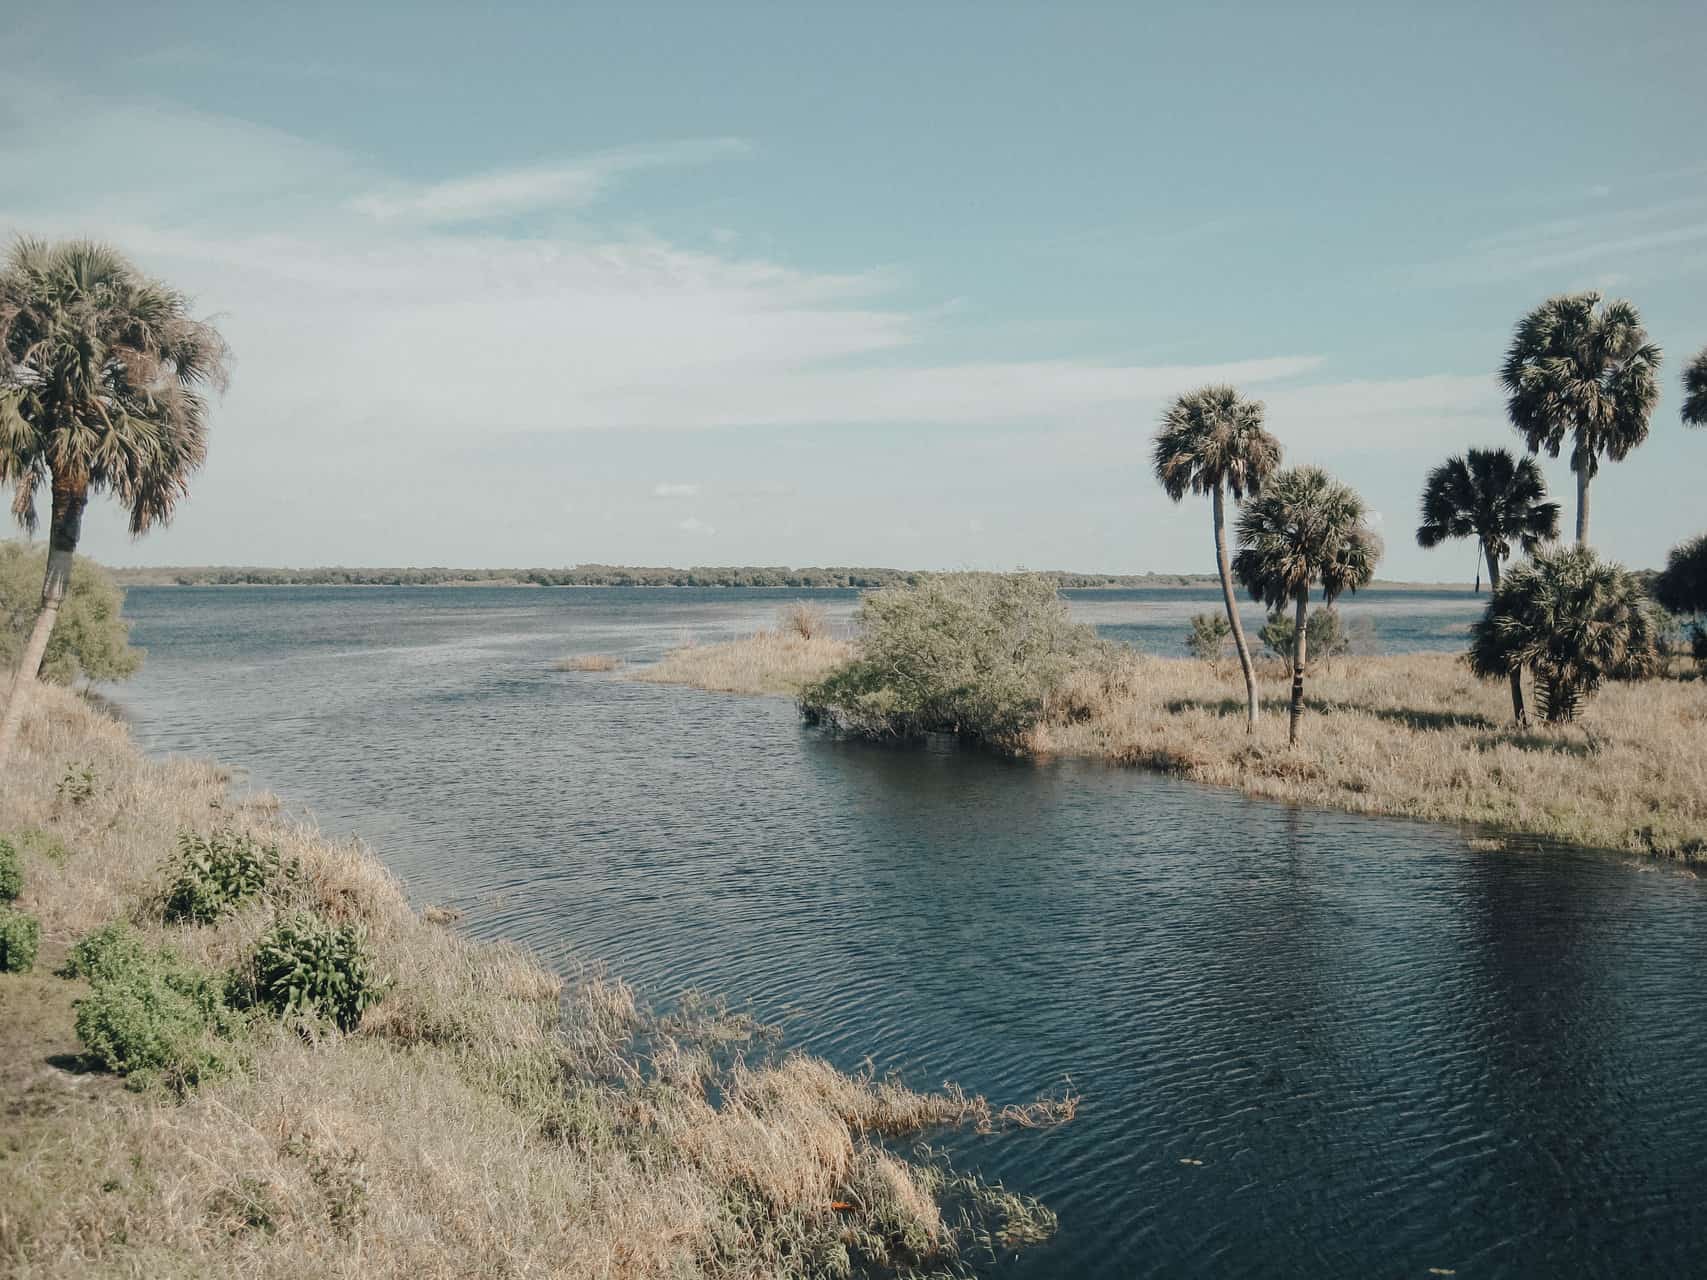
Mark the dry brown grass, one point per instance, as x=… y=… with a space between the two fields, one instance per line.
x=483 y=1121
x=1415 y=736
x=776 y=662
x=587 y=662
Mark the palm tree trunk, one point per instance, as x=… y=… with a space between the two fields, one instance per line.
x=68 y=503
x=1226 y=572
x=1517 y=708
x=1582 y=502
x=1300 y=646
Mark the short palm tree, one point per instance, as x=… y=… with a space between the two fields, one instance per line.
x=1489 y=495
x=1212 y=441
x=1695 y=391
x=1305 y=527
x=1583 y=371
x=1573 y=619
x=102 y=380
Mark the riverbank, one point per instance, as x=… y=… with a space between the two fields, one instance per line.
x=1408 y=736
x=485 y=1118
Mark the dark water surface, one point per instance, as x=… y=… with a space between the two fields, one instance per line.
x=1388 y=1052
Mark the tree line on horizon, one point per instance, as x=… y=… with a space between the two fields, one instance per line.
x=106 y=378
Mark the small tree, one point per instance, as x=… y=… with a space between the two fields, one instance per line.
x=1324 y=636
x=1305 y=527
x=1682 y=588
x=1209 y=635
x=1573 y=619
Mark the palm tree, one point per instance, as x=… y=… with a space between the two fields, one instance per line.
x=1695 y=391
x=1305 y=527
x=1578 y=369
x=102 y=374
x=1212 y=441
x=1573 y=619
x=1497 y=499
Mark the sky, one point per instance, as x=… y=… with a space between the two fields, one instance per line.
x=865 y=284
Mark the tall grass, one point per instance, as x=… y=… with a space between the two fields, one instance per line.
x=774 y=662
x=486 y=1119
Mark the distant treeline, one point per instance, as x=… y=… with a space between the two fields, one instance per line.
x=595 y=575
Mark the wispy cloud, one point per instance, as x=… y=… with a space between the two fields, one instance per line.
x=507 y=192
x=693 y=524
x=669 y=490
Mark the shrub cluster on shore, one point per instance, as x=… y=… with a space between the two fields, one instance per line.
x=331 y=1085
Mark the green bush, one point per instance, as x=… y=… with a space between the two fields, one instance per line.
x=90 y=640
x=20 y=936
x=308 y=966
x=151 y=1015
x=213 y=875
x=973 y=654
x=1209 y=635
x=1324 y=637
x=11 y=872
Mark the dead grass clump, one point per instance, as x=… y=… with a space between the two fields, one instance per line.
x=480 y=1121
x=587 y=662
x=803 y=619
x=773 y=662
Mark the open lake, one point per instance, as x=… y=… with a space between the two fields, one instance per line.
x=1307 y=1043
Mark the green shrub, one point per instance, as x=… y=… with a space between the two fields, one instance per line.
x=973 y=654
x=1209 y=635
x=20 y=936
x=90 y=640
x=11 y=872
x=213 y=875
x=308 y=966
x=152 y=1016
x=1324 y=636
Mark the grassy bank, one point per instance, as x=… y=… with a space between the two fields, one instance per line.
x=483 y=1119
x=1413 y=736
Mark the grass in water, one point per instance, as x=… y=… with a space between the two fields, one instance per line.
x=484 y=1118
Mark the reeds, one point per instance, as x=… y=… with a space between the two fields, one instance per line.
x=587 y=662
x=774 y=662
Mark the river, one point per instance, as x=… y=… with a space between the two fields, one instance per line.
x=1307 y=1043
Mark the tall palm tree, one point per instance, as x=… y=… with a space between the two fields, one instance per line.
x=1695 y=391
x=102 y=380
x=1495 y=498
x=1212 y=441
x=1573 y=619
x=1305 y=527
x=1585 y=371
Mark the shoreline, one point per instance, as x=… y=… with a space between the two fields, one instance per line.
x=485 y=1108
x=1408 y=736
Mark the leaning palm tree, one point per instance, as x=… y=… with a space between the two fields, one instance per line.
x=1212 y=441
x=1495 y=498
x=1585 y=371
x=102 y=378
x=1305 y=527
x=1573 y=619
x=1695 y=391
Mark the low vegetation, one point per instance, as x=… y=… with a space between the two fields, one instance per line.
x=978 y=655
x=587 y=662
x=324 y=1083
x=773 y=662
x=90 y=639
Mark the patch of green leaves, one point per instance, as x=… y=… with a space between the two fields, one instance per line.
x=20 y=937
x=214 y=875
x=11 y=871
x=309 y=967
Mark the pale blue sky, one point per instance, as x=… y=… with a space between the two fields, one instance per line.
x=873 y=284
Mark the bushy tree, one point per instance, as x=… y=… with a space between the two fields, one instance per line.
x=1586 y=373
x=90 y=640
x=1209 y=636
x=1305 y=528
x=1681 y=587
x=1324 y=636
x=1212 y=442
x=1573 y=620
x=103 y=381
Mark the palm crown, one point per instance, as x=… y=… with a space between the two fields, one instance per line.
x=1306 y=527
x=1695 y=390
x=1579 y=369
x=1489 y=495
x=1214 y=436
x=102 y=373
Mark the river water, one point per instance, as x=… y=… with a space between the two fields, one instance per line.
x=1307 y=1043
